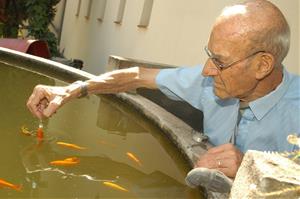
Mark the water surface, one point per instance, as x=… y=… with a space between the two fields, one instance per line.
x=106 y=127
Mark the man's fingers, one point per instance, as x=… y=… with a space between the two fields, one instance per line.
x=228 y=167
x=53 y=106
x=214 y=162
x=33 y=102
x=207 y=161
x=226 y=158
x=45 y=100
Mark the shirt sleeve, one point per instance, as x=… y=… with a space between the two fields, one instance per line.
x=182 y=84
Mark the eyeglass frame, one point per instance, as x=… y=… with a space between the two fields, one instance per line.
x=224 y=66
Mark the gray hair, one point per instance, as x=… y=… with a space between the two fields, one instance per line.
x=277 y=41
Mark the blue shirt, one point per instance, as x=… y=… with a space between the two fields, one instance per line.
x=264 y=126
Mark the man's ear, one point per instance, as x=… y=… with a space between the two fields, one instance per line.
x=265 y=65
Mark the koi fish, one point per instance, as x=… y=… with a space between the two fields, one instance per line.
x=115 y=186
x=66 y=162
x=73 y=146
x=72 y=159
x=134 y=158
x=25 y=131
x=4 y=183
x=40 y=134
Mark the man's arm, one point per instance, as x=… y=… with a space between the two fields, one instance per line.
x=46 y=100
x=123 y=80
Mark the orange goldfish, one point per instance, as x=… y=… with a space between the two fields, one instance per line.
x=4 y=183
x=134 y=158
x=25 y=131
x=66 y=162
x=73 y=146
x=115 y=186
x=72 y=159
x=40 y=134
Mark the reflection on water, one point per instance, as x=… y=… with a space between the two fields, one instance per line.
x=107 y=128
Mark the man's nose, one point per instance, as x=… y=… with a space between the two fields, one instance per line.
x=210 y=69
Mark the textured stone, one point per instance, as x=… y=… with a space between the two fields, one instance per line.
x=267 y=175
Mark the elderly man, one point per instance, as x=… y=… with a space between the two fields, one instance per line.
x=248 y=99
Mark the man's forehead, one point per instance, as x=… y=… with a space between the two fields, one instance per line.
x=235 y=26
x=223 y=46
x=231 y=32
x=221 y=41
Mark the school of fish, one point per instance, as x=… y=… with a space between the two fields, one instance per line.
x=70 y=161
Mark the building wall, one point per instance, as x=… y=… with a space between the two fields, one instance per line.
x=176 y=35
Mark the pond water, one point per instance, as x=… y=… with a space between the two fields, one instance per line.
x=105 y=127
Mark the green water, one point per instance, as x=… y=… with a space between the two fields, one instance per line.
x=107 y=128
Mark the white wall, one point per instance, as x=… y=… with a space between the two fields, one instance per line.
x=57 y=20
x=177 y=33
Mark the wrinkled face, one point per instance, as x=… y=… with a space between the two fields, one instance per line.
x=238 y=80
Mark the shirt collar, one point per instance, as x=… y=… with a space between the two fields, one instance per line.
x=263 y=105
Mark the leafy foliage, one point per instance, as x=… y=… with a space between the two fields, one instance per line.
x=14 y=15
x=38 y=14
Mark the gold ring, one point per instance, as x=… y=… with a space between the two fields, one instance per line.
x=219 y=162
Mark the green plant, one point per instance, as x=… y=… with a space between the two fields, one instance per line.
x=37 y=14
x=14 y=15
x=40 y=13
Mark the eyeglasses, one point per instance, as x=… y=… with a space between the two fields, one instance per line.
x=222 y=66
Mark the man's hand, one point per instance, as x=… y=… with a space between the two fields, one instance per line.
x=45 y=100
x=225 y=158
